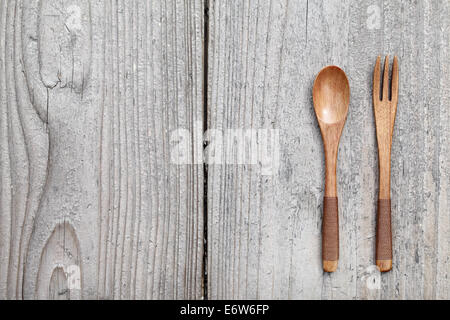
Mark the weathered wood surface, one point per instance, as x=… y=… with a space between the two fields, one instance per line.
x=264 y=231
x=93 y=204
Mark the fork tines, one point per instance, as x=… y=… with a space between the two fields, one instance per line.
x=394 y=81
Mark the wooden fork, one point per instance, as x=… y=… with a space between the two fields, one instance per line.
x=385 y=110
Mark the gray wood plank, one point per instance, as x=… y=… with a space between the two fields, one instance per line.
x=92 y=206
x=264 y=230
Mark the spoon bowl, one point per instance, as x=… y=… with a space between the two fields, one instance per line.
x=331 y=96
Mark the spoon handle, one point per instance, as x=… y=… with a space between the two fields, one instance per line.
x=330 y=234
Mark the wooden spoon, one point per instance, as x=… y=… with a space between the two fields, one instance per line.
x=331 y=95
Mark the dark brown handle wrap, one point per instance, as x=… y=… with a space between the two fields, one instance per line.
x=384 y=234
x=330 y=230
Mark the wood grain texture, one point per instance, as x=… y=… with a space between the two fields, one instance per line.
x=151 y=210
x=91 y=204
x=94 y=206
x=264 y=231
x=24 y=155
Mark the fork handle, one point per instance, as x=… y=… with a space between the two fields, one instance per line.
x=384 y=236
x=330 y=234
